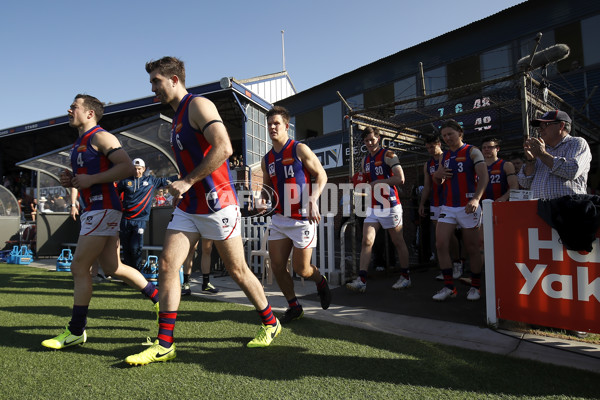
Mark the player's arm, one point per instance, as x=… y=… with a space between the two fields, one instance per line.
x=482 y=182
x=511 y=178
x=316 y=170
x=442 y=173
x=73 y=206
x=266 y=185
x=397 y=177
x=426 y=190
x=203 y=115
x=164 y=182
x=107 y=144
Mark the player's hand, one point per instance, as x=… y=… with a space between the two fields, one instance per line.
x=178 y=188
x=313 y=211
x=82 y=181
x=422 y=210
x=471 y=206
x=443 y=173
x=74 y=213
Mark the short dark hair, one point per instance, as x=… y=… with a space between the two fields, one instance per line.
x=450 y=123
x=432 y=138
x=367 y=131
x=168 y=66
x=278 y=110
x=491 y=139
x=92 y=103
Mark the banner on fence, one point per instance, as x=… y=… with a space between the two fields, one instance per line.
x=536 y=279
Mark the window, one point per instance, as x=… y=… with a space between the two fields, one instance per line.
x=332 y=117
x=309 y=124
x=405 y=89
x=435 y=81
x=379 y=96
x=571 y=36
x=256 y=135
x=463 y=72
x=496 y=63
x=590 y=32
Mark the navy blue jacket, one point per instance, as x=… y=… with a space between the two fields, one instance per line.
x=138 y=193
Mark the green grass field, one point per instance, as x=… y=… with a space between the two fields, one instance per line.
x=310 y=359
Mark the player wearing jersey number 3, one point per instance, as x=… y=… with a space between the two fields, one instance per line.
x=458 y=170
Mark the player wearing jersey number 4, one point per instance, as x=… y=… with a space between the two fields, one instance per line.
x=208 y=209
x=97 y=160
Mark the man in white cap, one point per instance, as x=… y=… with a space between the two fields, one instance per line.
x=137 y=192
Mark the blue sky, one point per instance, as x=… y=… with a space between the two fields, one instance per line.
x=52 y=50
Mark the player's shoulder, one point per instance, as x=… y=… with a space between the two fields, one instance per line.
x=390 y=154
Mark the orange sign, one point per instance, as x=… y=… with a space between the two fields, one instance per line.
x=537 y=280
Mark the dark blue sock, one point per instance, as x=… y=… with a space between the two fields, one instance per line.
x=78 y=320
x=363 y=275
x=151 y=292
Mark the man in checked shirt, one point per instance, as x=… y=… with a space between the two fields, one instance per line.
x=557 y=164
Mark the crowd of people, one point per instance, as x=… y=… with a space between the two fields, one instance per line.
x=553 y=164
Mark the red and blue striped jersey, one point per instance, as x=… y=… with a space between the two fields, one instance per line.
x=459 y=189
x=376 y=168
x=498 y=183
x=436 y=192
x=87 y=160
x=290 y=180
x=214 y=192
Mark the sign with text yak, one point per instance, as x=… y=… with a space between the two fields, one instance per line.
x=539 y=281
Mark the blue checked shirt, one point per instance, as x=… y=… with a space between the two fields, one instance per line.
x=569 y=172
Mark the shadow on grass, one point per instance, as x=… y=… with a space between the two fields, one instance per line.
x=309 y=348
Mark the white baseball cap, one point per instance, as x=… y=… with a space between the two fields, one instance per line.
x=138 y=162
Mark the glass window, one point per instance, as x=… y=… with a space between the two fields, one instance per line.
x=378 y=96
x=309 y=124
x=463 y=72
x=405 y=89
x=571 y=36
x=256 y=145
x=435 y=81
x=590 y=32
x=496 y=63
x=332 y=117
